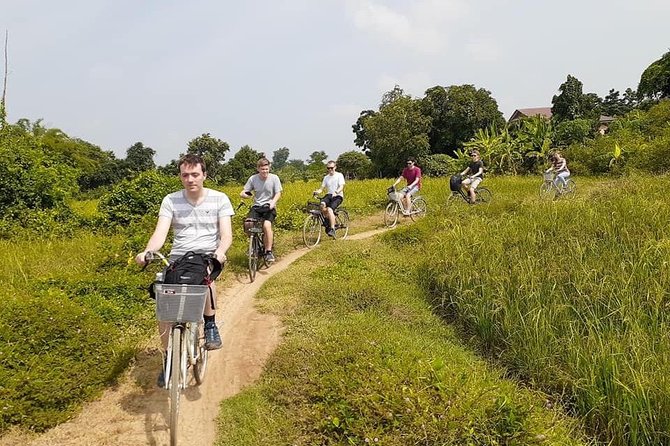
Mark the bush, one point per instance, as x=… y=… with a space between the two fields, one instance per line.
x=132 y=199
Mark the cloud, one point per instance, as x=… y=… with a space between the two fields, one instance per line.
x=422 y=27
x=484 y=50
x=412 y=83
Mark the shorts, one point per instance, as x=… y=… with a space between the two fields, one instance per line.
x=409 y=191
x=473 y=182
x=331 y=201
x=263 y=213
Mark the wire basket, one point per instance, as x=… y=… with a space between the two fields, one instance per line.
x=548 y=176
x=180 y=303
x=395 y=196
x=252 y=225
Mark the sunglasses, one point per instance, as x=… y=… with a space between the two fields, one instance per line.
x=409 y=163
x=330 y=168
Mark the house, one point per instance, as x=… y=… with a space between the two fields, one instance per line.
x=604 y=124
x=526 y=112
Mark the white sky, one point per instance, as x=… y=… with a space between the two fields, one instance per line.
x=296 y=73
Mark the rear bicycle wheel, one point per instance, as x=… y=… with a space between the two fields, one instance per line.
x=201 y=353
x=341 y=224
x=311 y=231
x=419 y=208
x=252 y=253
x=175 y=383
x=547 y=191
x=570 y=188
x=483 y=195
x=391 y=214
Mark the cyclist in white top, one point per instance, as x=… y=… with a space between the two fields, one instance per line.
x=333 y=183
x=200 y=219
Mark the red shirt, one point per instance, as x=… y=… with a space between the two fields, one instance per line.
x=412 y=173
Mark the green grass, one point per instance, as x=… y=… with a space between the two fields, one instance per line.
x=364 y=361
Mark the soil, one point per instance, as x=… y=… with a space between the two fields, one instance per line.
x=134 y=412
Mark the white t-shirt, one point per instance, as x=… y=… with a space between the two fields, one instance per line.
x=333 y=182
x=196 y=228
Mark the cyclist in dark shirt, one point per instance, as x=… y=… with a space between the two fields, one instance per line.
x=475 y=172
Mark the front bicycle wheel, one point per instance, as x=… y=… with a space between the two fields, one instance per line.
x=311 y=231
x=175 y=383
x=419 y=208
x=201 y=353
x=547 y=191
x=341 y=224
x=483 y=195
x=252 y=253
x=391 y=214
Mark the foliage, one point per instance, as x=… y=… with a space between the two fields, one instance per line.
x=614 y=105
x=31 y=177
x=398 y=131
x=655 y=80
x=572 y=103
x=354 y=164
x=573 y=131
x=213 y=151
x=279 y=158
x=140 y=158
x=456 y=113
x=131 y=199
x=241 y=166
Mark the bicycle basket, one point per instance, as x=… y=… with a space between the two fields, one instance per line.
x=252 y=225
x=395 y=196
x=180 y=303
x=548 y=176
x=312 y=206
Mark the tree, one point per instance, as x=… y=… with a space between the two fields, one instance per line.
x=279 y=158
x=213 y=152
x=242 y=165
x=361 y=139
x=354 y=164
x=140 y=158
x=317 y=157
x=397 y=131
x=655 y=80
x=391 y=96
x=566 y=105
x=456 y=113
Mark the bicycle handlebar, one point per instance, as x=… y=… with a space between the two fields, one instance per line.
x=150 y=256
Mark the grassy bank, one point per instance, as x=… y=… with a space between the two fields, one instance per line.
x=570 y=296
x=364 y=361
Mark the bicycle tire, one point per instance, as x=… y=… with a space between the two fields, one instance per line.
x=341 y=224
x=252 y=253
x=311 y=231
x=391 y=214
x=175 y=384
x=453 y=197
x=202 y=354
x=419 y=209
x=547 y=191
x=483 y=195
x=570 y=187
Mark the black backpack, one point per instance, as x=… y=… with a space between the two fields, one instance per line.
x=189 y=269
x=455 y=183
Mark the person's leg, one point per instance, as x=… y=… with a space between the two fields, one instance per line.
x=563 y=176
x=268 y=235
x=212 y=337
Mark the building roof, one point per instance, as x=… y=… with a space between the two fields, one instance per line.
x=525 y=112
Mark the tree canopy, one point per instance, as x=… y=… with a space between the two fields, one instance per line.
x=655 y=80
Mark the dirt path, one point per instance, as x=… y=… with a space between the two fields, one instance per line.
x=134 y=412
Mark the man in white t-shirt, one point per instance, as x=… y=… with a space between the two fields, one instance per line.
x=333 y=183
x=200 y=219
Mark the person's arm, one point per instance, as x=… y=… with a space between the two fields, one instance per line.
x=157 y=239
x=397 y=181
x=320 y=189
x=226 y=238
x=340 y=186
x=467 y=169
x=246 y=190
x=275 y=199
x=479 y=172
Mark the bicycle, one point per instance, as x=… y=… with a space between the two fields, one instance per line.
x=482 y=194
x=182 y=306
x=315 y=221
x=418 y=207
x=549 y=190
x=253 y=228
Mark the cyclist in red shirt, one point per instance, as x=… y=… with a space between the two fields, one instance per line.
x=412 y=174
